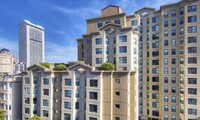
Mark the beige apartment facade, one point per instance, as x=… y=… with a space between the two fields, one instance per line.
x=79 y=93
x=167 y=55
x=7 y=61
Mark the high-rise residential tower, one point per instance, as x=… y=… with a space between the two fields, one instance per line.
x=167 y=55
x=31 y=43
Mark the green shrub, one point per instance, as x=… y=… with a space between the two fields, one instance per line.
x=2 y=114
x=35 y=117
x=107 y=66
x=45 y=64
x=61 y=67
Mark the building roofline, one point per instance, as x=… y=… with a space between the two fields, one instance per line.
x=104 y=17
x=144 y=8
x=110 y=6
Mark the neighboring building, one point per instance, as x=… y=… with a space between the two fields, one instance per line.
x=79 y=93
x=19 y=67
x=31 y=43
x=7 y=61
x=167 y=55
x=10 y=96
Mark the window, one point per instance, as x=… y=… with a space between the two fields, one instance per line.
x=192 y=49
x=27 y=100
x=122 y=49
x=166 y=117
x=165 y=70
x=173 y=22
x=155 y=19
x=192 y=70
x=107 y=40
x=166 y=33
x=93 y=108
x=166 y=24
x=93 y=83
x=68 y=82
x=117 y=21
x=155 y=87
x=67 y=105
x=173 y=32
x=165 y=79
x=181 y=11
x=173 y=89
x=173 y=70
x=173 y=108
x=192 y=80
x=155 y=104
x=155 y=96
x=27 y=80
x=117 y=80
x=173 y=13
x=99 y=25
x=192 y=39
x=173 y=52
x=77 y=81
x=165 y=42
x=181 y=21
x=45 y=91
x=155 y=28
x=27 y=90
x=173 y=61
x=155 y=36
x=192 y=60
x=155 y=70
x=166 y=14
x=166 y=99
x=192 y=111
x=122 y=59
x=98 y=41
x=173 y=117
x=192 y=29
x=98 y=50
x=68 y=93
x=134 y=51
x=192 y=91
x=77 y=93
x=155 y=62
x=108 y=22
x=117 y=106
x=181 y=31
x=93 y=95
x=192 y=8
x=117 y=118
x=27 y=110
x=165 y=89
x=192 y=101
x=45 y=102
x=165 y=107
x=165 y=51
x=173 y=42
x=98 y=60
x=173 y=80
x=192 y=19
x=45 y=113
x=46 y=81
x=134 y=23
x=35 y=80
x=76 y=105
x=123 y=38
x=67 y=116
x=92 y=118
x=173 y=99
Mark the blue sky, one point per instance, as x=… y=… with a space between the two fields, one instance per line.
x=63 y=20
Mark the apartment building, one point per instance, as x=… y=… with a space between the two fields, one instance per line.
x=167 y=55
x=10 y=97
x=31 y=43
x=7 y=61
x=79 y=93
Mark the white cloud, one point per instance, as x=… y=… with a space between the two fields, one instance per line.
x=60 y=53
x=9 y=44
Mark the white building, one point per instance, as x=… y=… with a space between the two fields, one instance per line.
x=31 y=43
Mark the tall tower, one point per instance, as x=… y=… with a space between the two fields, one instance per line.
x=31 y=43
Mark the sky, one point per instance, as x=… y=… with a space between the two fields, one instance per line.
x=64 y=21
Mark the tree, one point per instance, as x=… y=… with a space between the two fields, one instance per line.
x=61 y=67
x=35 y=117
x=107 y=66
x=2 y=114
x=45 y=64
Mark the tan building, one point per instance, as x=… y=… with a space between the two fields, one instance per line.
x=79 y=93
x=7 y=61
x=167 y=55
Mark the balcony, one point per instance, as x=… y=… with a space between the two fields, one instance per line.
x=2 y=90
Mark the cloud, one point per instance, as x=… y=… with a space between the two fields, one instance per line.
x=60 y=53
x=9 y=44
x=77 y=11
